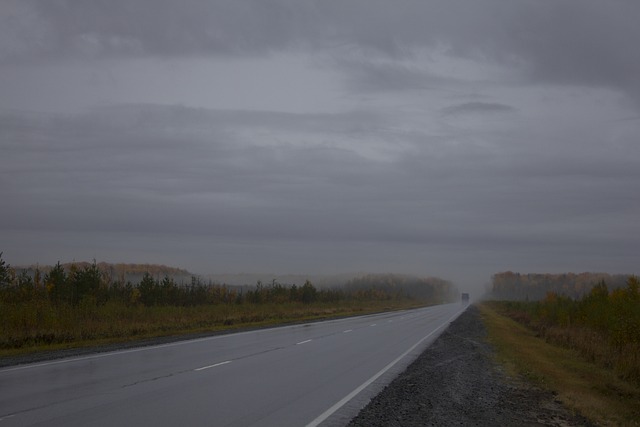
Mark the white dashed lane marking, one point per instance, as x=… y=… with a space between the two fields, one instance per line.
x=212 y=366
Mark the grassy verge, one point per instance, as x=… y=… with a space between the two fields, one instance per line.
x=30 y=329
x=593 y=391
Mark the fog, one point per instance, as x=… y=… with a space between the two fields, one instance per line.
x=437 y=138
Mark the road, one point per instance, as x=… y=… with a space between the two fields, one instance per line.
x=304 y=375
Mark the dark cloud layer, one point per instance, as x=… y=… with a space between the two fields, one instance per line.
x=442 y=137
x=478 y=107
x=180 y=171
x=577 y=42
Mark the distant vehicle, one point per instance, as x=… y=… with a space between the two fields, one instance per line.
x=464 y=298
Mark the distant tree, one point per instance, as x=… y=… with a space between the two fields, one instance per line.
x=625 y=306
x=85 y=282
x=595 y=307
x=56 y=283
x=168 y=291
x=25 y=281
x=5 y=276
x=309 y=293
x=256 y=296
x=294 y=293
x=148 y=290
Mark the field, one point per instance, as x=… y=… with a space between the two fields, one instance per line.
x=42 y=326
x=81 y=305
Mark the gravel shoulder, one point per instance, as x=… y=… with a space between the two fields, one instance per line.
x=457 y=381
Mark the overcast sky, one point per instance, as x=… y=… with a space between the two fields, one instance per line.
x=451 y=138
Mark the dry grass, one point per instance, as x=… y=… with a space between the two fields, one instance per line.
x=26 y=328
x=591 y=390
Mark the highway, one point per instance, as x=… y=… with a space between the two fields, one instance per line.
x=311 y=374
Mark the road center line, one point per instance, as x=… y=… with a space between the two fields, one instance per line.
x=212 y=366
x=303 y=342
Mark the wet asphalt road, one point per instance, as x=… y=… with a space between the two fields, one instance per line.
x=304 y=375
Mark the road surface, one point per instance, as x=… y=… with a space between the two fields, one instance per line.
x=304 y=375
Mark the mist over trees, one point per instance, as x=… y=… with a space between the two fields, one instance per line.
x=96 y=284
x=429 y=288
x=521 y=287
x=73 y=303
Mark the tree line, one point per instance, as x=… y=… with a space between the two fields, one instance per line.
x=88 y=284
x=534 y=287
x=404 y=286
x=604 y=324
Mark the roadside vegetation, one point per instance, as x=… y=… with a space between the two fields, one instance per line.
x=81 y=305
x=534 y=287
x=586 y=349
x=603 y=326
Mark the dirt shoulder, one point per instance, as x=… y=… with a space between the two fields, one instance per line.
x=457 y=381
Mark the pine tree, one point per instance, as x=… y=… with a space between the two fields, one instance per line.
x=5 y=276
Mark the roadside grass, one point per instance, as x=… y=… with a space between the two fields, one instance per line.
x=584 y=387
x=27 y=329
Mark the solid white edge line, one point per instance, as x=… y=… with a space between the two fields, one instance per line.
x=212 y=366
x=326 y=414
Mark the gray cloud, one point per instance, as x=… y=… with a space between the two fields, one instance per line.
x=179 y=171
x=448 y=137
x=367 y=77
x=570 y=42
x=478 y=107
x=587 y=41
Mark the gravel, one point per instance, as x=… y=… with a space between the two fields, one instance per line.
x=456 y=382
